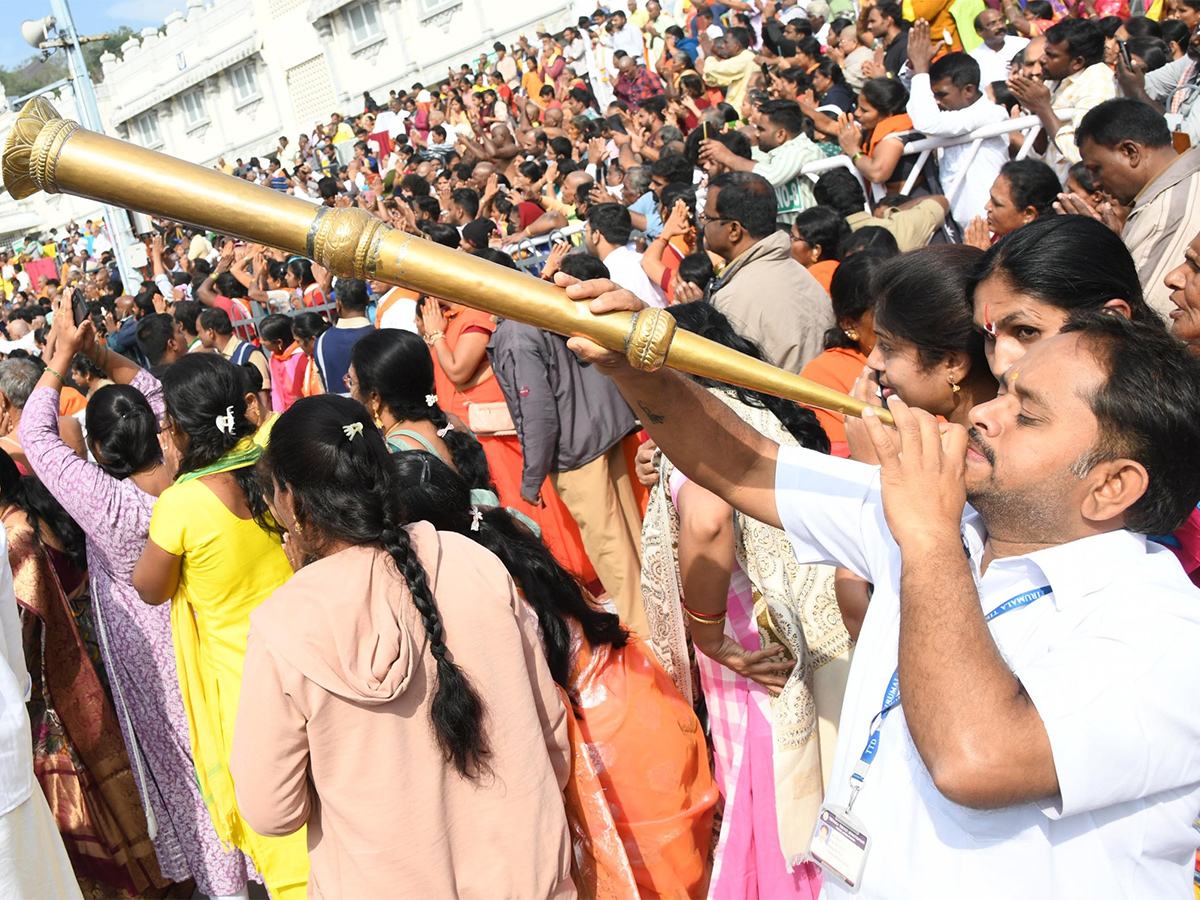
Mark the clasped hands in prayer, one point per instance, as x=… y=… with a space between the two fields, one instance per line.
x=922 y=461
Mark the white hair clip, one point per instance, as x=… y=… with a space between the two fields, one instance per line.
x=225 y=423
x=431 y=399
x=442 y=432
x=476 y=518
x=352 y=430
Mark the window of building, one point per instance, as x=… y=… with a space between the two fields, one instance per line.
x=431 y=8
x=245 y=83
x=147 y=129
x=194 y=111
x=363 y=21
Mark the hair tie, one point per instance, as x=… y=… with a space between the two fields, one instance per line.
x=525 y=520
x=442 y=432
x=225 y=423
x=476 y=518
x=352 y=430
x=424 y=469
x=431 y=399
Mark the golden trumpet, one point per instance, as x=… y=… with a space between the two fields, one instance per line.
x=49 y=153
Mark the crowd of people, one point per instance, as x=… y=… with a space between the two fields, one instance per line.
x=353 y=591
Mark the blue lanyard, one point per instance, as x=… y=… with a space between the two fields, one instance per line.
x=891 y=697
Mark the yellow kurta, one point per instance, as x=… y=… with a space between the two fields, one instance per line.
x=230 y=566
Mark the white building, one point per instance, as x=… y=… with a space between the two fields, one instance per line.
x=228 y=78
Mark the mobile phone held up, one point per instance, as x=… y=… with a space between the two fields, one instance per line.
x=79 y=307
x=1125 y=55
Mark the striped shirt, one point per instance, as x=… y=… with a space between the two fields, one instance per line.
x=781 y=167
x=1177 y=87
x=1164 y=220
x=1079 y=92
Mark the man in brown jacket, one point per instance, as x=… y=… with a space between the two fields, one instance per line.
x=768 y=296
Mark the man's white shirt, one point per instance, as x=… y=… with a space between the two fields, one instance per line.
x=402 y=314
x=993 y=64
x=625 y=268
x=1111 y=661
x=969 y=198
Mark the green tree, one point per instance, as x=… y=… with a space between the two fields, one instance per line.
x=33 y=74
x=93 y=50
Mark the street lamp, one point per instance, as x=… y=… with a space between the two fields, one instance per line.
x=36 y=33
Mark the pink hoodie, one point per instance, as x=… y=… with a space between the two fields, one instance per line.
x=334 y=730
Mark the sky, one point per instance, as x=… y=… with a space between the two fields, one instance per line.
x=91 y=17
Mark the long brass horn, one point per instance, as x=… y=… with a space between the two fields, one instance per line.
x=49 y=153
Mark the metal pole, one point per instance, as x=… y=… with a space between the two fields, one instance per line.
x=116 y=219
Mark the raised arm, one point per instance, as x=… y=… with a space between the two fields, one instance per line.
x=469 y=353
x=975 y=726
x=678 y=222
x=696 y=431
x=86 y=491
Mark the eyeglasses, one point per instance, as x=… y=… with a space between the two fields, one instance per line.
x=704 y=219
x=348 y=381
x=798 y=238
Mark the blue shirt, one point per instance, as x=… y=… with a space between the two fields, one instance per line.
x=332 y=355
x=647 y=205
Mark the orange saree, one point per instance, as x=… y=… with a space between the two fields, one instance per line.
x=641 y=799
x=503 y=451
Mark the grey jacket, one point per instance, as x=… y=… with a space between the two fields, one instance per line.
x=567 y=414
x=771 y=299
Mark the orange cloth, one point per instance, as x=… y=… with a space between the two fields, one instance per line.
x=837 y=368
x=70 y=401
x=677 y=248
x=503 y=452
x=823 y=272
x=532 y=84
x=641 y=493
x=393 y=296
x=890 y=125
x=313 y=296
x=937 y=13
x=655 y=790
x=310 y=384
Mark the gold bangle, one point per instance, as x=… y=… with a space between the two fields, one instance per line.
x=433 y=338
x=702 y=618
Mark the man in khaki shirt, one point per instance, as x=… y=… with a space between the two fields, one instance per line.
x=728 y=63
x=912 y=223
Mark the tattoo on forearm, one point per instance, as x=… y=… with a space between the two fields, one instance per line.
x=655 y=418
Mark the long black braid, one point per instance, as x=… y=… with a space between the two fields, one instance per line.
x=345 y=490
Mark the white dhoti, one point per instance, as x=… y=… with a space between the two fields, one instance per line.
x=33 y=860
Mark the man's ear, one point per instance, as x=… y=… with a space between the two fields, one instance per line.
x=1117 y=484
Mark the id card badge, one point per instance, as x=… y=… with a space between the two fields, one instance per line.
x=839 y=845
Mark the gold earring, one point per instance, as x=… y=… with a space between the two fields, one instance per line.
x=954 y=387
x=853 y=335
x=299 y=527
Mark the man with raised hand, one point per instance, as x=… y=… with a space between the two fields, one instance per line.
x=1021 y=714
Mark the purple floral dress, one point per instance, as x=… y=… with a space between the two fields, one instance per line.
x=136 y=646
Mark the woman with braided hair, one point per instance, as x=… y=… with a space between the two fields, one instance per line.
x=401 y=646
x=392 y=374
x=641 y=798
